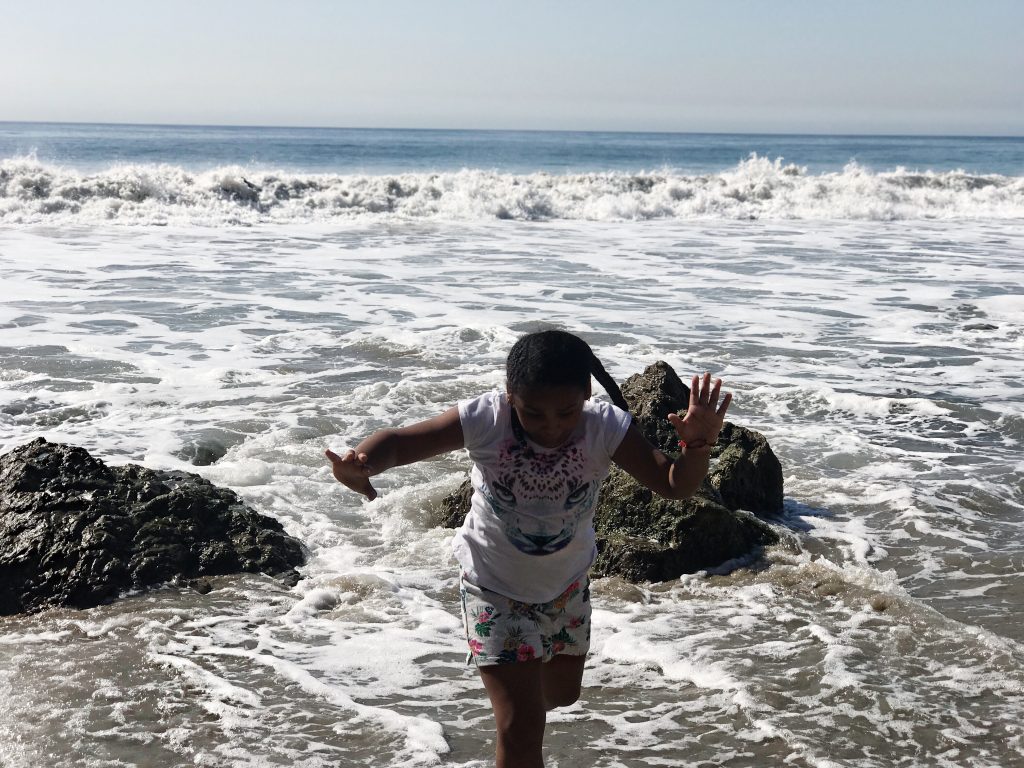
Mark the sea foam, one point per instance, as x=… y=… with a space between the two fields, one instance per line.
x=32 y=192
x=881 y=361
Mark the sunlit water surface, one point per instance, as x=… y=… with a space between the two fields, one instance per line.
x=881 y=360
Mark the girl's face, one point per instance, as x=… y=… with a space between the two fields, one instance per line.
x=549 y=414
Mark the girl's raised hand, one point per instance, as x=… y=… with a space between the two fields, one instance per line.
x=705 y=416
x=352 y=471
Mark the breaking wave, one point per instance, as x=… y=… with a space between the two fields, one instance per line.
x=32 y=192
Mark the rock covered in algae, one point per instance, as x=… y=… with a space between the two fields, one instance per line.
x=644 y=537
x=746 y=473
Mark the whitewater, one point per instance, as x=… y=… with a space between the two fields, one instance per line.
x=756 y=188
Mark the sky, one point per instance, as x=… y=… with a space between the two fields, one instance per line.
x=821 y=66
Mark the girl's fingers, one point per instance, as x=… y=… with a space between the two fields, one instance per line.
x=350 y=457
x=699 y=390
x=352 y=470
x=715 y=392
x=725 y=404
x=702 y=392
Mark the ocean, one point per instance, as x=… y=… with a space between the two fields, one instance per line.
x=266 y=293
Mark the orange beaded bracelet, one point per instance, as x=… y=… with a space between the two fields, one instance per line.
x=697 y=444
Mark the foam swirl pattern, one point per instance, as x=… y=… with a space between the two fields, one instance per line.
x=880 y=358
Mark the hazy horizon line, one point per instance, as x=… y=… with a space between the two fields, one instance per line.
x=881 y=135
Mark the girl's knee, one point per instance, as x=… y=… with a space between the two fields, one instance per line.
x=520 y=721
x=562 y=681
x=520 y=732
x=561 y=698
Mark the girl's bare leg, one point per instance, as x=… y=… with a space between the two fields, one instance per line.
x=561 y=679
x=517 y=698
x=520 y=695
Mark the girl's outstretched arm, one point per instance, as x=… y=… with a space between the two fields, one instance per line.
x=394 y=447
x=699 y=430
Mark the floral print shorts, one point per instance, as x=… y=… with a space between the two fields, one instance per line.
x=503 y=631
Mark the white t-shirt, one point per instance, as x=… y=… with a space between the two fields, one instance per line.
x=530 y=530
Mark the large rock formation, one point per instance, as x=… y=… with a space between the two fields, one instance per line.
x=76 y=532
x=643 y=537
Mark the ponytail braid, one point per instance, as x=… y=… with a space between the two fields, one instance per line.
x=606 y=381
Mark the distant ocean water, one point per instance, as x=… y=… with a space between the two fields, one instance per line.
x=265 y=293
x=93 y=148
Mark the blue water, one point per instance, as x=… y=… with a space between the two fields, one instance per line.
x=95 y=147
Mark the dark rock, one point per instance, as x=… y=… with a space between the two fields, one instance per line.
x=75 y=532
x=644 y=537
x=652 y=396
x=208 y=445
x=455 y=506
x=746 y=473
x=206 y=448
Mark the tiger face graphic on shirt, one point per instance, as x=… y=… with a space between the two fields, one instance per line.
x=540 y=496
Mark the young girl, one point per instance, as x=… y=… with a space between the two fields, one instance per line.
x=540 y=451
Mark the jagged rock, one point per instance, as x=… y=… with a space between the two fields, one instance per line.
x=76 y=532
x=643 y=537
x=652 y=396
x=746 y=473
x=455 y=506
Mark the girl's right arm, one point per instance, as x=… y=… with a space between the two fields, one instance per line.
x=394 y=447
x=678 y=478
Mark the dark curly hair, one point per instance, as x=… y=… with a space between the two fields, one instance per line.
x=556 y=358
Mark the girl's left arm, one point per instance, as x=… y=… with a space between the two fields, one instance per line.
x=698 y=430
